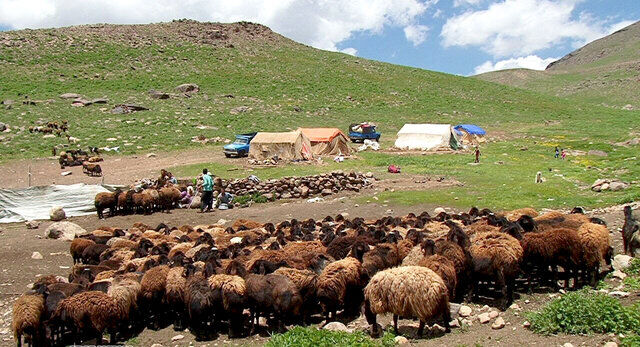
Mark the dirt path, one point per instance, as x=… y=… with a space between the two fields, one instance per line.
x=19 y=270
x=116 y=169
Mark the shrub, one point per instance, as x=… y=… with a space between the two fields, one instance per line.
x=308 y=337
x=255 y=198
x=634 y=268
x=585 y=312
x=630 y=341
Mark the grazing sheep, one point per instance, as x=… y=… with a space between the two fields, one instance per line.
x=106 y=200
x=440 y=265
x=27 y=312
x=77 y=247
x=91 y=169
x=406 y=291
x=89 y=312
x=306 y=283
x=340 y=283
x=496 y=255
x=274 y=294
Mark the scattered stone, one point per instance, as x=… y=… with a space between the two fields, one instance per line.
x=156 y=345
x=336 y=326
x=465 y=311
x=156 y=94
x=632 y=142
x=493 y=314
x=484 y=318
x=527 y=301
x=66 y=231
x=400 y=340
x=567 y=345
x=454 y=323
x=526 y=324
x=127 y=108
x=65 y=173
x=36 y=256
x=619 y=274
x=498 y=324
x=3 y=127
x=515 y=306
x=240 y=109
x=188 y=88
x=621 y=262
x=70 y=96
x=610 y=344
x=32 y=224
x=177 y=338
x=619 y=294
x=485 y=307
x=609 y=184
x=597 y=153
x=57 y=214
x=151 y=155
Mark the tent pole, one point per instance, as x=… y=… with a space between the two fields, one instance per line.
x=29 y=176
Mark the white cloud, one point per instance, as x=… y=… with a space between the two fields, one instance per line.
x=321 y=24
x=416 y=34
x=458 y=3
x=349 y=50
x=532 y=62
x=521 y=27
x=438 y=13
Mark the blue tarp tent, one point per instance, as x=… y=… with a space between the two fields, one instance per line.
x=470 y=129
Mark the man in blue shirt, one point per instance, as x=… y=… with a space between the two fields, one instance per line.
x=207 y=191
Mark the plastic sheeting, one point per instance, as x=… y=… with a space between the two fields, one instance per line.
x=18 y=205
x=469 y=128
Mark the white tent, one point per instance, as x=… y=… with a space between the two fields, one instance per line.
x=424 y=136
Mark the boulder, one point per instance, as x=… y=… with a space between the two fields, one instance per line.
x=196 y=202
x=177 y=338
x=400 y=340
x=70 y=96
x=619 y=274
x=66 y=231
x=621 y=262
x=336 y=326
x=57 y=214
x=617 y=186
x=484 y=318
x=188 y=88
x=36 y=256
x=493 y=314
x=326 y=192
x=610 y=344
x=465 y=311
x=32 y=224
x=3 y=127
x=156 y=94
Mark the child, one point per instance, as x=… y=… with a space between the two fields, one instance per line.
x=564 y=154
x=557 y=152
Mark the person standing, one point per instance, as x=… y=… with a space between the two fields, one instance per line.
x=564 y=154
x=478 y=154
x=557 y=153
x=207 y=191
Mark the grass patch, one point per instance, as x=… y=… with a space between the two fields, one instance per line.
x=630 y=341
x=312 y=337
x=634 y=268
x=254 y=198
x=585 y=312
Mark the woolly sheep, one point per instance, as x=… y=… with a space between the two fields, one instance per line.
x=27 y=311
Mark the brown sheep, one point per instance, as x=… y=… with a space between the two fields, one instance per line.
x=440 y=265
x=271 y=293
x=90 y=311
x=306 y=283
x=27 y=311
x=107 y=200
x=91 y=169
x=597 y=248
x=406 y=291
x=153 y=286
x=168 y=197
x=77 y=247
x=125 y=293
x=232 y=290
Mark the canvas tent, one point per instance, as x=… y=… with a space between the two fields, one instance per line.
x=426 y=137
x=327 y=141
x=470 y=134
x=292 y=145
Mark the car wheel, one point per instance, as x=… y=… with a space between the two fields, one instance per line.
x=227 y=155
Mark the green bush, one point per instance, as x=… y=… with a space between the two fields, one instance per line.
x=255 y=197
x=585 y=312
x=630 y=341
x=312 y=337
x=634 y=268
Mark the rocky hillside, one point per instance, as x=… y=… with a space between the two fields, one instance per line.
x=605 y=71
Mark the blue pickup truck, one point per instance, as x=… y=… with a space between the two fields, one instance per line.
x=358 y=132
x=239 y=147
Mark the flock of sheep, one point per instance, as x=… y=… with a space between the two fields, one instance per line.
x=206 y=278
x=144 y=201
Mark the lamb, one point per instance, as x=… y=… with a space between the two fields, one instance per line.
x=440 y=265
x=630 y=233
x=406 y=291
x=497 y=255
x=27 y=312
x=90 y=311
x=78 y=245
x=341 y=282
x=106 y=200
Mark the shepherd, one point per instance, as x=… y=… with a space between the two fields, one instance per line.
x=207 y=191
x=478 y=154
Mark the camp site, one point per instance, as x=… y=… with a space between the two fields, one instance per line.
x=180 y=182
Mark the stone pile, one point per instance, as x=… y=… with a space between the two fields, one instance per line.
x=609 y=184
x=301 y=187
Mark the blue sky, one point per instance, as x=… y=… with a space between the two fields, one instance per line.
x=455 y=36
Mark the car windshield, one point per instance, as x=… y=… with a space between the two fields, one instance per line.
x=241 y=141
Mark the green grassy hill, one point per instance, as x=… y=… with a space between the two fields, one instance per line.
x=604 y=72
x=280 y=85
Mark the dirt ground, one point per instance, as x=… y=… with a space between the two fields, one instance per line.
x=19 y=270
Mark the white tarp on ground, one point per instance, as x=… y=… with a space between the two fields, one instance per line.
x=424 y=136
x=18 y=205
